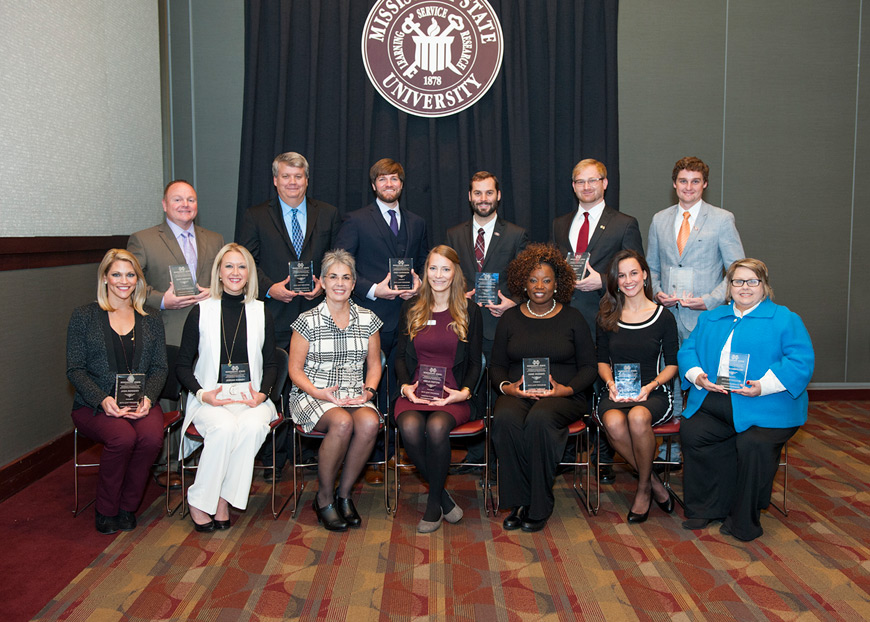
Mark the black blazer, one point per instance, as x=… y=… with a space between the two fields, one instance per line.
x=264 y=233
x=366 y=235
x=507 y=241
x=467 y=363
x=90 y=355
x=615 y=232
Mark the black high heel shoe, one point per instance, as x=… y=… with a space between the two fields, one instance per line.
x=666 y=506
x=633 y=517
x=205 y=528
x=329 y=517
x=347 y=510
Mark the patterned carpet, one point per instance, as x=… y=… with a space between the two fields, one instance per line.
x=813 y=564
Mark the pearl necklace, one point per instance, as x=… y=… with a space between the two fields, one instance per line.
x=546 y=313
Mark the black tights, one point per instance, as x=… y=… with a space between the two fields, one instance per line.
x=426 y=437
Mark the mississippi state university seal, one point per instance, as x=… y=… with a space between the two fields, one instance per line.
x=432 y=58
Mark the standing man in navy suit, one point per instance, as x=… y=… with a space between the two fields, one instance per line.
x=374 y=235
x=486 y=243
x=602 y=232
x=291 y=227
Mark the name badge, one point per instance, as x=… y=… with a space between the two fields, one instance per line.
x=431 y=323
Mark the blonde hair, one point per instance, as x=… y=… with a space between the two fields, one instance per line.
x=138 y=297
x=421 y=310
x=757 y=267
x=216 y=289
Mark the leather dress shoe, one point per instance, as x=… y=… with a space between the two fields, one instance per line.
x=348 y=511
x=514 y=520
x=202 y=528
x=106 y=524
x=659 y=469
x=634 y=517
x=606 y=474
x=530 y=526
x=174 y=480
x=222 y=524
x=666 y=506
x=696 y=523
x=329 y=517
x=126 y=520
x=375 y=475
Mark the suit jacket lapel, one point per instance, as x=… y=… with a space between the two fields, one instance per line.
x=703 y=212
x=384 y=230
x=139 y=341
x=311 y=222
x=600 y=228
x=277 y=216
x=202 y=270
x=172 y=244
x=494 y=242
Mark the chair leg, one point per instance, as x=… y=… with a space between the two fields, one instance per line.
x=169 y=509
x=76 y=467
x=783 y=463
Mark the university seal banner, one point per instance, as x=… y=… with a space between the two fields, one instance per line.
x=432 y=58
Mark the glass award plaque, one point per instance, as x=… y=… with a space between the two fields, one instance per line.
x=682 y=282
x=486 y=288
x=235 y=391
x=738 y=365
x=301 y=276
x=235 y=372
x=578 y=263
x=431 y=382
x=536 y=374
x=129 y=390
x=183 y=282
x=400 y=273
x=627 y=379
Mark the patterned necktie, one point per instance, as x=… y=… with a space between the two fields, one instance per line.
x=583 y=236
x=188 y=250
x=297 y=233
x=478 y=249
x=683 y=236
x=394 y=224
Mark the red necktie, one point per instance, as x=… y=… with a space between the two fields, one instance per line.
x=583 y=236
x=478 y=249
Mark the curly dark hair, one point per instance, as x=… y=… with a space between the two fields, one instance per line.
x=536 y=255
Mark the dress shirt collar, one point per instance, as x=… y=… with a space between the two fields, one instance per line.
x=302 y=207
x=385 y=212
x=177 y=231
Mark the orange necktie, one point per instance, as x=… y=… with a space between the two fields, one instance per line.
x=683 y=237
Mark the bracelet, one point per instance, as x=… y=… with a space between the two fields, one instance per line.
x=469 y=392
x=402 y=391
x=656 y=380
x=371 y=390
x=501 y=386
x=199 y=396
x=608 y=383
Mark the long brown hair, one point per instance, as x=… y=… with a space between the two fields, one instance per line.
x=420 y=311
x=610 y=307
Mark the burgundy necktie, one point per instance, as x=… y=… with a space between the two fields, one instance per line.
x=583 y=236
x=478 y=249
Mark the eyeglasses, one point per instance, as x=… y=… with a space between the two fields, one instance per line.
x=591 y=182
x=749 y=282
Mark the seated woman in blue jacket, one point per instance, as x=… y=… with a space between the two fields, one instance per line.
x=732 y=439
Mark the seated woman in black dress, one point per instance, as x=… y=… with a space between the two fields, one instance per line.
x=118 y=335
x=530 y=428
x=633 y=329
x=440 y=327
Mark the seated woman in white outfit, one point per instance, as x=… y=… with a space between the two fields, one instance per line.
x=329 y=346
x=230 y=329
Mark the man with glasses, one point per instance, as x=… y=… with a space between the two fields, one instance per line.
x=600 y=231
x=690 y=246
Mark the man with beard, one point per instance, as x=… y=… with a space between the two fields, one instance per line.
x=374 y=235
x=486 y=243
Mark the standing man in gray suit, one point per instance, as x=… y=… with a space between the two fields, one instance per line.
x=691 y=244
x=601 y=231
x=175 y=241
x=486 y=243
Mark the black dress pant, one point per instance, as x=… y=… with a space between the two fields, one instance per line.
x=729 y=475
x=529 y=437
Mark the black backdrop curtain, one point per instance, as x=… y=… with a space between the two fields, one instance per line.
x=553 y=103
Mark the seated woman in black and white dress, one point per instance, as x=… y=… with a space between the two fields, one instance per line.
x=329 y=346
x=631 y=328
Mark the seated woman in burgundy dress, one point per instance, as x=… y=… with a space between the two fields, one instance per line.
x=440 y=328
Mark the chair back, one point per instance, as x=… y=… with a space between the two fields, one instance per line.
x=172 y=389
x=281 y=359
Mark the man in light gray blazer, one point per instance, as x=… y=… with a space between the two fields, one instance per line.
x=711 y=246
x=689 y=248
x=159 y=247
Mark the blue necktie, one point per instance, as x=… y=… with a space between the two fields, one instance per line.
x=297 y=234
x=394 y=224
